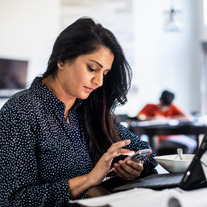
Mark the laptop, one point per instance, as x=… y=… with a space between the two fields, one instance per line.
x=195 y=176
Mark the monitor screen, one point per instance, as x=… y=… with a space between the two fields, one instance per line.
x=13 y=76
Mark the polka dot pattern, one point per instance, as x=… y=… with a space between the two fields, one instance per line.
x=40 y=151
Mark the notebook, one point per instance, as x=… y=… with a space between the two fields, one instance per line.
x=195 y=176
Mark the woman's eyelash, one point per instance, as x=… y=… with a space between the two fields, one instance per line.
x=91 y=69
x=94 y=70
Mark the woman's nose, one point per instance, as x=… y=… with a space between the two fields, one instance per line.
x=98 y=79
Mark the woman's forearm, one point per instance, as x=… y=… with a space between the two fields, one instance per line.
x=80 y=184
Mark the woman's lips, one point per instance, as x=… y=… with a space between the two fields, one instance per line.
x=89 y=90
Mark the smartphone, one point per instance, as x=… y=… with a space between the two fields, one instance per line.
x=140 y=154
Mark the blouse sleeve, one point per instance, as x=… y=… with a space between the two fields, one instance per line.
x=137 y=144
x=19 y=177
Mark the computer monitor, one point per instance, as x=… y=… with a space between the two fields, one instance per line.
x=13 y=76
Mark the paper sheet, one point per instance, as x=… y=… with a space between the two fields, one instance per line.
x=194 y=198
x=148 y=198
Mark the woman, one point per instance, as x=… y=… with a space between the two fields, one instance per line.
x=60 y=138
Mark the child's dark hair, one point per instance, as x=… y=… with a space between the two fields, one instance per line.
x=166 y=98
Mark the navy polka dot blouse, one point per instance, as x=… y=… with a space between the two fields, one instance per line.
x=40 y=151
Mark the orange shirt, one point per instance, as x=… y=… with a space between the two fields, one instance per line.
x=152 y=110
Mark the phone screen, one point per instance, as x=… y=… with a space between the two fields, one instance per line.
x=140 y=154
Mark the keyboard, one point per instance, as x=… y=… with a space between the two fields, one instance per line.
x=155 y=181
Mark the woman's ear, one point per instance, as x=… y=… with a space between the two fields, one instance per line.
x=60 y=65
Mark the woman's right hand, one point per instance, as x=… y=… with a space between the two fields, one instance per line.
x=79 y=184
x=103 y=166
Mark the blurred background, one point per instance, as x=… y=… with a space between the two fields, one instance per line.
x=163 y=40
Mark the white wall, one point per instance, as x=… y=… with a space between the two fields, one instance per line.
x=28 y=31
x=166 y=60
x=162 y=60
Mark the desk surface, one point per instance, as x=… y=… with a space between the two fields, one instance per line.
x=152 y=128
x=167 y=129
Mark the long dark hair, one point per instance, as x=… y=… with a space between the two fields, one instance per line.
x=84 y=36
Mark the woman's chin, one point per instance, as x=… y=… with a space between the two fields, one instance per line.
x=83 y=97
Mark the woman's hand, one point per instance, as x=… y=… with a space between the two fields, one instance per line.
x=128 y=170
x=102 y=168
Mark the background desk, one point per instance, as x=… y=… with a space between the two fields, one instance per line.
x=151 y=130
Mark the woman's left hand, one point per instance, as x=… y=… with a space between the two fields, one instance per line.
x=128 y=169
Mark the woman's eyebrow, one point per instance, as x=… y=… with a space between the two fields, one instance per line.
x=97 y=63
